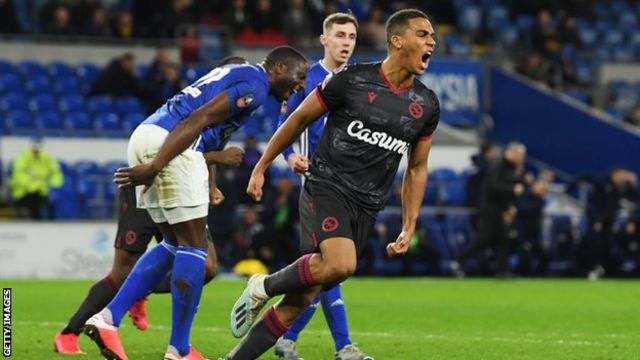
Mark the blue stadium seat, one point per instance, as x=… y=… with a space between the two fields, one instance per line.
x=613 y=37
x=470 y=18
x=443 y=175
x=14 y=102
x=65 y=201
x=459 y=232
x=71 y=103
x=110 y=167
x=50 y=123
x=453 y=195
x=20 y=123
x=431 y=195
x=6 y=67
x=79 y=124
x=497 y=17
x=87 y=168
x=108 y=125
x=508 y=34
x=37 y=84
x=127 y=105
x=30 y=68
x=10 y=83
x=58 y=69
x=88 y=72
x=43 y=102
x=131 y=121
x=589 y=36
x=195 y=72
x=99 y=104
x=627 y=20
x=142 y=70
x=66 y=85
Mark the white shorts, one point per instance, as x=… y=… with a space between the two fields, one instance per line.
x=180 y=191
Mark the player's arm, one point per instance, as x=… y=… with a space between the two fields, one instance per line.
x=213 y=112
x=298 y=162
x=413 y=187
x=216 y=197
x=310 y=109
x=231 y=156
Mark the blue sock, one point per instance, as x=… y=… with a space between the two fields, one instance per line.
x=336 y=316
x=301 y=321
x=187 y=280
x=150 y=269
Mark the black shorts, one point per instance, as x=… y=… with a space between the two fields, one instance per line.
x=135 y=227
x=325 y=213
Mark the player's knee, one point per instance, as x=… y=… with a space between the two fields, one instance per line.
x=339 y=271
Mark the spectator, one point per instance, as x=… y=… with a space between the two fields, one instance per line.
x=481 y=161
x=190 y=46
x=633 y=117
x=282 y=209
x=160 y=59
x=296 y=26
x=627 y=244
x=61 y=24
x=530 y=207
x=34 y=173
x=118 y=79
x=496 y=210
x=602 y=210
x=182 y=13
x=163 y=86
x=124 y=26
x=237 y=16
x=265 y=18
x=536 y=68
x=99 y=24
x=373 y=31
x=544 y=38
x=82 y=13
x=252 y=240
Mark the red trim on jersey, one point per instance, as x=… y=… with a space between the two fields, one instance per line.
x=394 y=89
x=425 y=137
x=321 y=100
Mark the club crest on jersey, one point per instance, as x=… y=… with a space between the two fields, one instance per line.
x=330 y=224
x=284 y=107
x=415 y=110
x=372 y=97
x=244 y=101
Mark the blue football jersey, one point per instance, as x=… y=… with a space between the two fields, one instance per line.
x=310 y=137
x=246 y=86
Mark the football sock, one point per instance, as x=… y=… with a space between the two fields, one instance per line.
x=295 y=276
x=98 y=297
x=301 y=321
x=336 y=315
x=164 y=287
x=260 y=338
x=150 y=269
x=186 y=287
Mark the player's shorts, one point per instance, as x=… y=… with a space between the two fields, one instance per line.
x=135 y=226
x=325 y=213
x=180 y=191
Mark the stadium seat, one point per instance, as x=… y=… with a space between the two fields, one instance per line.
x=14 y=102
x=613 y=37
x=43 y=102
x=131 y=121
x=65 y=201
x=127 y=105
x=108 y=125
x=79 y=124
x=37 y=84
x=30 y=68
x=59 y=69
x=110 y=167
x=71 y=103
x=459 y=232
x=431 y=195
x=66 y=85
x=6 y=67
x=20 y=123
x=497 y=18
x=589 y=36
x=88 y=72
x=453 y=195
x=50 y=124
x=443 y=175
x=195 y=72
x=470 y=18
x=99 y=104
x=10 y=83
x=142 y=70
x=87 y=168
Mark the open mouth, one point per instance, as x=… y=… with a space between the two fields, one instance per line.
x=344 y=52
x=425 y=58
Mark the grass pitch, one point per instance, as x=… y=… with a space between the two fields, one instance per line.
x=389 y=319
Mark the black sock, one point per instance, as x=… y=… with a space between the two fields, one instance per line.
x=261 y=337
x=98 y=297
x=294 y=277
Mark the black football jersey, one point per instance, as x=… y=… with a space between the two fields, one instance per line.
x=371 y=124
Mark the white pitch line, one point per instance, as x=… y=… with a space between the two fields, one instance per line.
x=382 y=335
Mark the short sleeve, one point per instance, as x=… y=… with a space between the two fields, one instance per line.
x=332 y=90
x=244 y=97
x=432 y=118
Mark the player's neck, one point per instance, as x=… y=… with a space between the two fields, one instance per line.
x=396 y=74
x=330 y=64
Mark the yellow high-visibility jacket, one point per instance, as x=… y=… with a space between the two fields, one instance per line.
x=32 y=174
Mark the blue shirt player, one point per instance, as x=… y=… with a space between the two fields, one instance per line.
x=165 y=156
